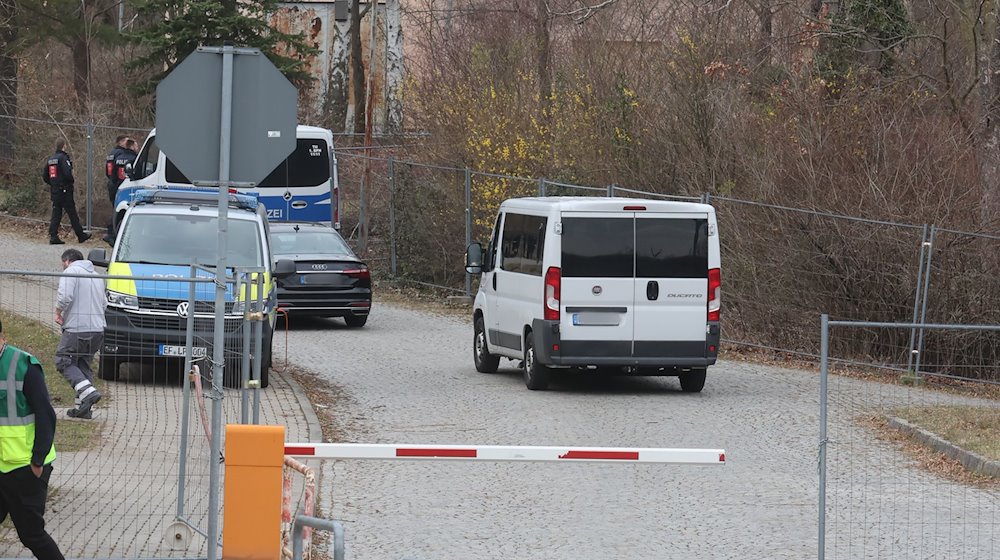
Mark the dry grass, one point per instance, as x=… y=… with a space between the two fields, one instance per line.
x=930 y=460
x=975 y=429
x=40 y=341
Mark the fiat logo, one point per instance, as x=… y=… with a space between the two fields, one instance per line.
x=597 y=290
x=182 y=309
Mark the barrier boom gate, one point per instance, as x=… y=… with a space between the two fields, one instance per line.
x=505 y=453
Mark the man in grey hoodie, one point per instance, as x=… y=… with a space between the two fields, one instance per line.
x=80 y=305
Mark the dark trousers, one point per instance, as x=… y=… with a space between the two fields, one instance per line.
x=75 y=354
x=112 y=193
x=22 y=496
x=62 y=199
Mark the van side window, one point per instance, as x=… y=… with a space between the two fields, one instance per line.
x=145 y=164
x=491 y=251
x=523 y=243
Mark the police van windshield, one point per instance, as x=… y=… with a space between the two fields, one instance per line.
x=184 y=240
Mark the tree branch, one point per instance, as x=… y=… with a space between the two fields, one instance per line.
x=582 y=13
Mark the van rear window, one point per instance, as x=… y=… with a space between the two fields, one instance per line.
x=634 y=248
x=671 y=248
x=598 y=247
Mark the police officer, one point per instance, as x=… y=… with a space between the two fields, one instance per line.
x=121 y=156
x=58 y=175
x=28 y=431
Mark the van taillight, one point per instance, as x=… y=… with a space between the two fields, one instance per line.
x=714 y=293
x=553 y=280
x=336 y=207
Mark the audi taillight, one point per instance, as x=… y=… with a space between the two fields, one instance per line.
x=714 y=293
x=362 y=273
x=553 y=281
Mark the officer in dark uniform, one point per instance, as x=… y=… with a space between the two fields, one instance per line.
x=122 y=155
x=58 y=175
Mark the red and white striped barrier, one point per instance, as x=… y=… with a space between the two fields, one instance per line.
x=505 y=453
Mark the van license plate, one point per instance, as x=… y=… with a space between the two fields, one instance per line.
x=597 y=319
x=181 y=351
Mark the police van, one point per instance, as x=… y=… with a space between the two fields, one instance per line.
x=613 y=284
x=163 y=232
x=302 y=188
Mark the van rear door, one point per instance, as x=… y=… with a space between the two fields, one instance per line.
x=671 y=284
x=598 y=284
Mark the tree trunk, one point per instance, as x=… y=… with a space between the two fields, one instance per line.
x=337 y=96
x=394 y=67
x=81 y=69
x=356 y=106
x=988 y=149
x=543 y=46
x=8 y=80
x=765 y=17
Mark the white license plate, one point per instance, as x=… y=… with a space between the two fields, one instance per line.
x=181 y=351
x=597 y=319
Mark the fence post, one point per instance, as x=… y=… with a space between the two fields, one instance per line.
x=924 y=244
x=392 y=217
x=186 y=412
x=90 y=172
x=468 y=225
x=541 y=186
x=611 y=190
x=824 y=351
x=706 y=198
x=923 y=312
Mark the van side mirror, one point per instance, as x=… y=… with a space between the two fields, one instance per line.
x=474 y=259
x=99 y=257
x=284 y=268
x=129 y=168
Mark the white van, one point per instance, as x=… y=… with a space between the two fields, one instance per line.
x=623 y=285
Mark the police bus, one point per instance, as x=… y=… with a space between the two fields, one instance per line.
x=302 y=188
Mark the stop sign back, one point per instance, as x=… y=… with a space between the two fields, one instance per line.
x=189 y=113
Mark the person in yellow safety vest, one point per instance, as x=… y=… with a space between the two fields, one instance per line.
x=27 y=430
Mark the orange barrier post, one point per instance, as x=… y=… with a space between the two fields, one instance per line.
x=251 y=509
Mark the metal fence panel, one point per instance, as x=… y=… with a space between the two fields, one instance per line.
x=783 y=267
x=885 y=496
x=122 y=480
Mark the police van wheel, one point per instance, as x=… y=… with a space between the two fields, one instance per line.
x=107 y=368
x=536 y=375
x=693 y=381
x=484 y=360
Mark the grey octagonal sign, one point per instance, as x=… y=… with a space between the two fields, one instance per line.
x=189 y=112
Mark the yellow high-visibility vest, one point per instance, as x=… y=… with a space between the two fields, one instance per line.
x=17 y=420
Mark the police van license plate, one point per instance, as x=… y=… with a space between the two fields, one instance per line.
x=181 y=351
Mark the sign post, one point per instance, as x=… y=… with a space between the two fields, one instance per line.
x=234 y=142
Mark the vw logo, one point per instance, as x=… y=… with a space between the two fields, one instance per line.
x=182 y=309
x=319 y=267
x=597 y=290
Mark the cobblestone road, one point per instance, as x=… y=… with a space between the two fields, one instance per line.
x=410 y=379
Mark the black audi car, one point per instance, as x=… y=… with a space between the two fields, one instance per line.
x=329 y=280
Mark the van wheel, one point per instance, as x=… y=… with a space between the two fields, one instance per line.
x=536 y=375
x=107 y=368
x=485 y=362
x=693 y=381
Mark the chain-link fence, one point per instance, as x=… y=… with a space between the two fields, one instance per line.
x=885 y=491
x=137 y=480
x=88 y=145
x=782 y=266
